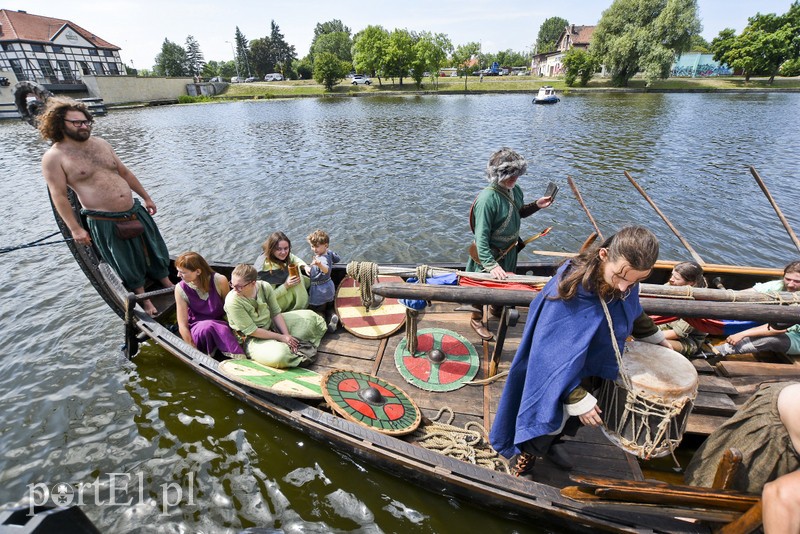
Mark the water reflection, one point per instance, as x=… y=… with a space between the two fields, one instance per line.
x=391 y=179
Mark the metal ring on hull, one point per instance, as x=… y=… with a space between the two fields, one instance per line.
x=30 y=97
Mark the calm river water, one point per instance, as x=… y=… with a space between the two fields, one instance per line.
x=391 y=179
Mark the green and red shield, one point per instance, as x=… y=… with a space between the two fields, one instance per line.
x=371 y=401
x=444 y=360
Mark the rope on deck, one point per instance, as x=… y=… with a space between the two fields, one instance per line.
x=468 y=444
x=365 y=273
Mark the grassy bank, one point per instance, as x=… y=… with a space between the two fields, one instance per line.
x=523 y=84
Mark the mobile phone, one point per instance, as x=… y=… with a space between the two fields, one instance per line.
x=552 y=190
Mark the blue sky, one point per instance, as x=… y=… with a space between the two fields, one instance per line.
x=139 y=27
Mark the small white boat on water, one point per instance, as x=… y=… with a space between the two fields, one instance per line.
x=546 y=95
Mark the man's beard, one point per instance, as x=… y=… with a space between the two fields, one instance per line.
x=79 y=135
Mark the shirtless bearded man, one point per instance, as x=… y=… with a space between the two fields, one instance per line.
x=105 y=186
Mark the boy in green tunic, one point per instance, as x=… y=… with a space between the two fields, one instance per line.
x=495 y=220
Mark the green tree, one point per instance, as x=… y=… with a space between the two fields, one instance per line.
x=462 y=60
x=171 y=61
x=194 y=57
x=369 y=51
x=699 y=44
x=399 y=54
x=434 y=50
x=242 y=54
x=227 y=69
x=337 y=43
x=324 y=28
x=579 y=65
x=329 y=69
x=429 y=53
x=509 y=58
x=549 y=32
x=791 y=68
x=764 y=45
x=211 y=69
x=305 y=69
x=282 y=52
x=261 y=56
x=644 y=35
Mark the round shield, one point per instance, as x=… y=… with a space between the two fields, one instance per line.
x=371 y=401
x=444 y=360
x=375 y=323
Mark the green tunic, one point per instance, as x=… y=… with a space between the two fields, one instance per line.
x=496 y=221
x=294 y=298
x=247 y=315
x=132 y=259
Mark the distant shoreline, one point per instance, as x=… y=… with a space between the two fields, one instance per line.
x=490 y=85
x=510 y=84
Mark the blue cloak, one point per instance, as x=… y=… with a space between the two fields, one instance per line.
x=563 y=342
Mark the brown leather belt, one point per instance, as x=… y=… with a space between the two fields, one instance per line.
x=131 y=217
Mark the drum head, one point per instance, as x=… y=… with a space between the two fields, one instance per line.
x=657 y=370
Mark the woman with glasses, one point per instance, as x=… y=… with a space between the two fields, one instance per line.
x=284 y=272
x=199 y=300
x=272 y=337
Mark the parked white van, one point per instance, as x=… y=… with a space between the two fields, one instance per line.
x=237 y=79
x=273 y=77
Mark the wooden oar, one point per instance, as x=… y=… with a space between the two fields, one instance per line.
x=763 y=187
x=583 y=205
x=685 y=243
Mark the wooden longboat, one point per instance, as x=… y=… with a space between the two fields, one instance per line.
x=497 y=491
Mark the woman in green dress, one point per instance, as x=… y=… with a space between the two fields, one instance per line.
x=284 y=272
x=271 y=337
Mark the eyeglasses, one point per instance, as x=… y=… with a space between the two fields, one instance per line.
x=78 y=124
x=238 y=288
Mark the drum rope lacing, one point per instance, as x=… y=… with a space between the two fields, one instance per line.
x=468 y=444
x=646 y=406
x=365 y=273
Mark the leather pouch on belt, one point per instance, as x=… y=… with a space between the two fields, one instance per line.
x=128 y=229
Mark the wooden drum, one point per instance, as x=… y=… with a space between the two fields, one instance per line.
x=646 y=408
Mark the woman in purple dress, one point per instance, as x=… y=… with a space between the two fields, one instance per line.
x=199 y=299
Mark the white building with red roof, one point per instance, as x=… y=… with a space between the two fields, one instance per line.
x=54 y=53
x=551 y=63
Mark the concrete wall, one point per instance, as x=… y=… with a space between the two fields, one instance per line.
x=7 y=93
x=125 y=89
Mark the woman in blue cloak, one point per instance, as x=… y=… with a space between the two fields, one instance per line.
x=567 y=339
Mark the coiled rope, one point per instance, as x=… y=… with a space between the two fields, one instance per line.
x=37 y=243
x=365 y=273
x=468 y=444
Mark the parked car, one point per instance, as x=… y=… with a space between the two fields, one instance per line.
x=250 y=79
x=360 y=79
x=216 y=79
x=273 y=77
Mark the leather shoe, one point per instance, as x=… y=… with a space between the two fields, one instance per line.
x=522 y=465
x=481 y=330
